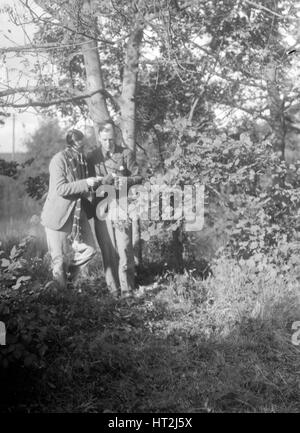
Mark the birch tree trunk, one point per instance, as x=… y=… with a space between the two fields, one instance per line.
x=277 y=115
x=94 y=81
x=127 y=100
x=128 y=114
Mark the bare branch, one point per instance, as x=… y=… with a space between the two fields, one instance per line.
x=253 y=112
x=30 y=47
x=16 y=90
x=193 y=108
x=38 y=18
x=30 y=103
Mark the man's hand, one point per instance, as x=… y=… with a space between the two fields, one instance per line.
x=93 y=182
x=108 y=179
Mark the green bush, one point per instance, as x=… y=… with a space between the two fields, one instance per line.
x=252 y=197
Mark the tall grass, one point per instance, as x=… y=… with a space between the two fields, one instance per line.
x=14 y=229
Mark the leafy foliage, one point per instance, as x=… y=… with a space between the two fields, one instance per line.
x=48 y=139
x=251 y=195
x=37 y=186
x=8 y=168
x=184 y=344
x=215 y=340
x=26 y=323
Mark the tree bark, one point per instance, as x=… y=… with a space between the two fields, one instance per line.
x=128 y=115
x=94 y=80
x=277 y=115
x=96 y=103
x=127 y=100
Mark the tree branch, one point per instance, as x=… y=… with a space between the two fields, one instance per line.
x=266 y=9
x=28 y=48
x=58 y=101
x=16 y=90
x=193 y=108
x=250 y=111
x=38 y=18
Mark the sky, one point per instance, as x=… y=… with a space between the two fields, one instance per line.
x=19 y=74
x=26 y=122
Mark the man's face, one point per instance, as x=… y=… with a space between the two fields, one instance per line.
x=78 y=143
x=107 y=138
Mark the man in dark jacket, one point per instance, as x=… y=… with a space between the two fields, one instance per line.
x=111 y=162
x=64 y=215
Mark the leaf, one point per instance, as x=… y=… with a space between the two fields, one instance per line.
x=24 y=278
x=14 y=253
x=145 y=236
x=21 y=280
x=43 y=349
x=5 y=263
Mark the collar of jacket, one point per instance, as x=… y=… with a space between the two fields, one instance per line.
x=80 y=154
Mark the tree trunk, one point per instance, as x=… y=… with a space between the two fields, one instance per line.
x=277 y=120
x=277 y=117
x=96 y=103
x=94 y=81
x=128 y=115
x=127 y=100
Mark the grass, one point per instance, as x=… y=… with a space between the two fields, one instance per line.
x=183 y=344
x=12 y=230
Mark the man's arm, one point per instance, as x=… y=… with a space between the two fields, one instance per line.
x=58 y=176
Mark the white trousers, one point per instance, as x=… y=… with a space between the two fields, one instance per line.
x=67 y=257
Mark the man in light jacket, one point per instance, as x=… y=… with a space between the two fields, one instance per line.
x=115 y=238
x=66 y=210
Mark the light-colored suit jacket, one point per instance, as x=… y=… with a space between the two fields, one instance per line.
x=62 y=195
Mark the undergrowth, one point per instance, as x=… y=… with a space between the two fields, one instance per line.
x=182 y=344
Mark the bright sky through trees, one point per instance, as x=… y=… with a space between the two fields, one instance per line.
x=26 y=122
